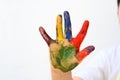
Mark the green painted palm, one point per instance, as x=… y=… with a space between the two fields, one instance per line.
x=63 y=55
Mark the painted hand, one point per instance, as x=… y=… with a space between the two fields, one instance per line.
x=64 y=51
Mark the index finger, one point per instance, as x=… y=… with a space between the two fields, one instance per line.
x=81 y=35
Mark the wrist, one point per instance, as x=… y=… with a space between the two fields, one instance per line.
x=59 y=75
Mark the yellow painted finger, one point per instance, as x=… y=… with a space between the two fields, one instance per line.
x=59 y=30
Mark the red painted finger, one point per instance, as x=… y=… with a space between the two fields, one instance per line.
x=82 y=54
x=45 y=35
x=80 y=36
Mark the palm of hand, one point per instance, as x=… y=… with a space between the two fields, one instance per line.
x=63 y=55
x=64 y=51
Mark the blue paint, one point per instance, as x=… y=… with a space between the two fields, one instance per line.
x=67 y=25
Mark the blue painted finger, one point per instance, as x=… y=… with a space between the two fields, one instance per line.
x=67 y=25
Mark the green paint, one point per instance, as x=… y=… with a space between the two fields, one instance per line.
x=58 y=61
x=63 y=58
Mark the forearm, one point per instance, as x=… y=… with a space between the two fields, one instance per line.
x=59 y=75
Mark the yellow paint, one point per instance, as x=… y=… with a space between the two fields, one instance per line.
x=59 y=29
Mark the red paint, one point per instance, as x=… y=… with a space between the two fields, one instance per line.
x=79 y=38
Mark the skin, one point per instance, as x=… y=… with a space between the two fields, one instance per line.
x=64 y=51
x=118 y=13
x=57 y=74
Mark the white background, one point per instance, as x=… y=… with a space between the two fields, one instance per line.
x=24 y=54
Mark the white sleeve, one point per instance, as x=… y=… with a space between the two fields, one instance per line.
x=94 y=67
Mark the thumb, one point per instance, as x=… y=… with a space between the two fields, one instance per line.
x=86 y=51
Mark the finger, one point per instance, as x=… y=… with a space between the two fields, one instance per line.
x=80 y=36
x=45 y=35
x=67 y=25
x=59 y=30
x=82 y=54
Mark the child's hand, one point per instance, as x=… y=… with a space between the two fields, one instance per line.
x=64 y=51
